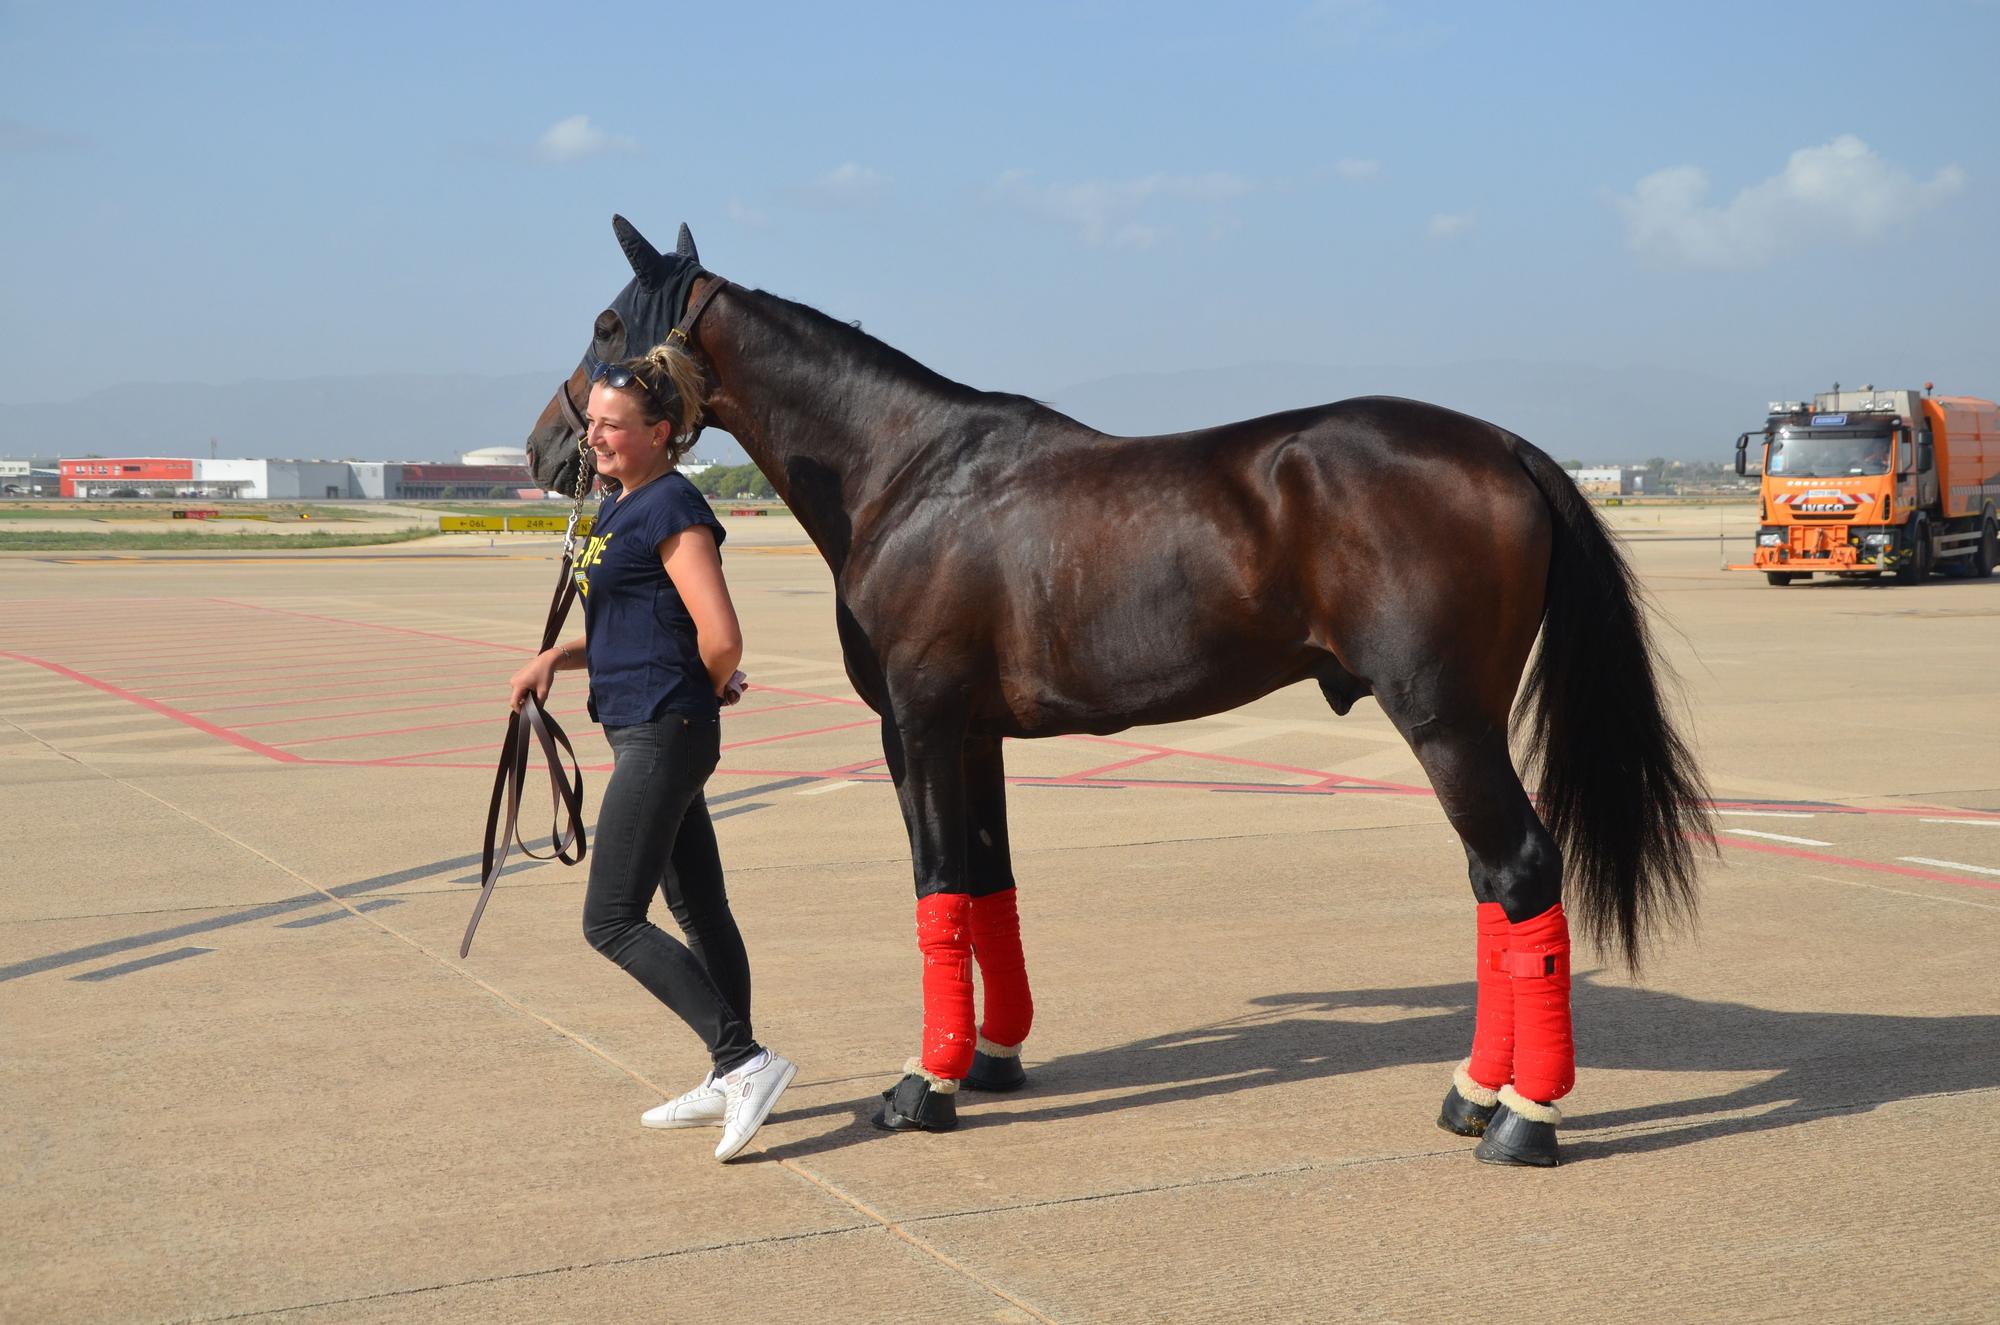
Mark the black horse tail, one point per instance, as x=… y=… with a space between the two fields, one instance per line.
x=1620 y=792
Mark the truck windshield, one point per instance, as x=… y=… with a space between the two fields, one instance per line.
x=1828 y=455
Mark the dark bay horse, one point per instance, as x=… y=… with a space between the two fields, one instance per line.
x=1004 y=571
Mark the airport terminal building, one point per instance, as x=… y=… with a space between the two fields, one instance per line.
x=486 y=475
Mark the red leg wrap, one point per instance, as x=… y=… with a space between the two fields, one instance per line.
x=944 y=936
x=1003 y=971
x=1492 y=1062
x=1544 y=1047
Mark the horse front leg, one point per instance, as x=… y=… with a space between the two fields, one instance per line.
x=1009 y=1010
x=926 y=761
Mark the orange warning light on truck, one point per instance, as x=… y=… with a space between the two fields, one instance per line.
x=1876 y=482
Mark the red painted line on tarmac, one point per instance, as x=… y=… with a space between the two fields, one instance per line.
x=156 y=706
x=1147 y=758
x=739 y=711
x=1848 y=862
x=348 y=678
x=793 y=736
x=491 y=747
x=402 y=731
x=362 y=713
x=338 y=699
x=370 y=625
x=807 y=694
x=102 y=657
x=1266 y=765
x=242 y=661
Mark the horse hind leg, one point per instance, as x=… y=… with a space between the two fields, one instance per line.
x=1523 y=1054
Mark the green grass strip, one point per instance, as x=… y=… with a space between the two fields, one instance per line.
x=60 y=540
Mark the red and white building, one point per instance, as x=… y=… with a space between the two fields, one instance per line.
x=294 y=480
x=144 y=476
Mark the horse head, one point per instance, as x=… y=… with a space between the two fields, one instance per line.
x=639 y=318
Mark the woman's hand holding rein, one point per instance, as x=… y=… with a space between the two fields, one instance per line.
x=540 y=673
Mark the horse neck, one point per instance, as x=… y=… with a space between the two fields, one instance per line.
x=824 y=410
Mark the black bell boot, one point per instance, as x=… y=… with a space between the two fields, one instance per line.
x=918 y=1103
x=1522 y=1133
x=998 y=1073
x=1463 y=1117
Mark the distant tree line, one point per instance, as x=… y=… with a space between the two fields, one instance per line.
x=732 y=481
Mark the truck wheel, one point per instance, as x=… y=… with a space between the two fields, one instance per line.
x=1781 y=578
x=1919 y=563
x=1988 y=555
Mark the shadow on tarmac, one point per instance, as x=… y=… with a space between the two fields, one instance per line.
x=1814 y=1064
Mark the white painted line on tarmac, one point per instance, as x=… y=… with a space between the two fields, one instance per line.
x=1766 y=814
x=824 y=788
x=1980 y=823
x=1951 y=865
x=1778 y=837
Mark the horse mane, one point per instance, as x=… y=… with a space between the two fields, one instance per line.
x=847 y=338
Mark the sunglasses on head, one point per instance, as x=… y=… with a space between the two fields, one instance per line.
x=618 y=376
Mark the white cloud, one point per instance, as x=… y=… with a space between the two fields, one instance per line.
x=1109 y=211
x=847 y=186
x=1840 y=192
x=1448 y=225
x=1357 y=168
x=750 y=218
x=575 y=138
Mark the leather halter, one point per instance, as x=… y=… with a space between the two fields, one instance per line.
x=681 y=336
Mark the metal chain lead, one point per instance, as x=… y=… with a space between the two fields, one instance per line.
x=582 y=489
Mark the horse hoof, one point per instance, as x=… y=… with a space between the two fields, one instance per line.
x=998 y=1075
x=912 y=1105
x=1461 y=1117
x=1512 y=1139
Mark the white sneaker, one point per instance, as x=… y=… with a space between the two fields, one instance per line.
x=747 y=1101
x=700 y=1107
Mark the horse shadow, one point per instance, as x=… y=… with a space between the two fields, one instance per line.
x=1811 y=1064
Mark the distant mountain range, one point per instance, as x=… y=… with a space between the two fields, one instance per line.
x=1571 y=411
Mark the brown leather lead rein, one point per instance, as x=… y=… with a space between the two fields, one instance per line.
x=533 y=723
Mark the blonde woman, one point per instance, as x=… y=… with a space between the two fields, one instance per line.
x=661 y=644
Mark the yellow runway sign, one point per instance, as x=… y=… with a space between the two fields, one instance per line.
x=512 y=524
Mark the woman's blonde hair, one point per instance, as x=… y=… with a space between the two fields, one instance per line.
x=674 y=392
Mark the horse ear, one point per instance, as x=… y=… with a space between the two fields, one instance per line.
x=645 y=259
x=685 y=246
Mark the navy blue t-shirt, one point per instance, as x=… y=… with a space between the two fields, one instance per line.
x=638 y=637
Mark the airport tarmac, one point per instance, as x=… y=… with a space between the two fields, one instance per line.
x=246 y=1076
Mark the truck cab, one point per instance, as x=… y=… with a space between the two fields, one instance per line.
x=1855 y=483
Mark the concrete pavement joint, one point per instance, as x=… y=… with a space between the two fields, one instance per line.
x=915 y=1241
x=1795 y=1108
x=1903 y=892
x=609 y=1263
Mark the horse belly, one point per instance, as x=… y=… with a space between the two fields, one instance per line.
x=1163 y=643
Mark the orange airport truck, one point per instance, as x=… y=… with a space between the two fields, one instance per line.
x=1877 y=482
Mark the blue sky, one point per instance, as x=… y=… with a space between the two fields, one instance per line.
x=1024 y=197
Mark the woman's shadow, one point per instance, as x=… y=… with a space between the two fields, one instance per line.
x=1813 y=1063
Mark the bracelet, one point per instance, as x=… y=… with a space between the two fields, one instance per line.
x=562 y=652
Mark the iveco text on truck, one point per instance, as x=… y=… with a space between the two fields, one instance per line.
x=1877 y=482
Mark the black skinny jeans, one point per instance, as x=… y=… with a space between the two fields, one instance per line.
x=653 y=831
